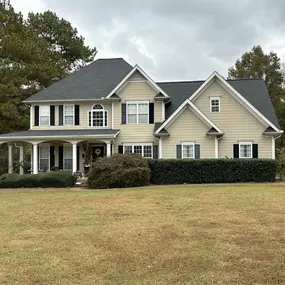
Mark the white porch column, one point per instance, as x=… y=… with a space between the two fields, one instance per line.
x=160 y=148
x=10 y=158
x=108 y=148
x=35 y=158
x=74 y=157
x=216 y=147
x=21 y=147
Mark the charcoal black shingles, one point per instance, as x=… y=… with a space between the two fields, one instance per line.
x=94 y=81
x=99 y=78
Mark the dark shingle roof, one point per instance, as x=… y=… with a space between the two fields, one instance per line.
x=94 y=81
x=61 y=133
x=253 y=90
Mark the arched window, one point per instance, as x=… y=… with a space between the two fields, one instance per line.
x=98 y=116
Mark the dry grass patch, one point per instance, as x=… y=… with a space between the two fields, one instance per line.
x=158 y=235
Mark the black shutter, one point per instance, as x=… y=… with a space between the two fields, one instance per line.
x=60 y=157
x=124 y=114
x=52 y=115
x=155 y=151
x=60 y=112
x=78 y=158
x=51 y=158
x=197 y=151
x=120 y=149
x=236 y=151
x=151 y=113
x=255 y=150
x=77 y=115
x=37 y=115
x=179 y=151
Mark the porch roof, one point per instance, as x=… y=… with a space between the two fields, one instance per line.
x=53 y=134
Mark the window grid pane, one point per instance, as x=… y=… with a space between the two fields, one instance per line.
x=245 y=151
x=215 y=105
x=147 y=151
x=138 y=149
x=137 y=113
x=44 y=120
x=188 y=151
x=128 y=149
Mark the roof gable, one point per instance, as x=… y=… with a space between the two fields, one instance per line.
x=134 y=72
x=253 y=90
x=195 y=110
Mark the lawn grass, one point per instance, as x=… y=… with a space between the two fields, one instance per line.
x=158 y=235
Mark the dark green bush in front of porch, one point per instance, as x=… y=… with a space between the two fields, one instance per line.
x=180 y=171
x=45 y=180
x=119 y=171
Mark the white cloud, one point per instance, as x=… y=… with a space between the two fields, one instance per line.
x=26 y=6
x=170 y=41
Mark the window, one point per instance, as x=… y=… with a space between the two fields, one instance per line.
x=137 y=112
x=188 y=150
x=67 y=158
x=68 y=114
x=245 y=150
x=215 y=104
x=44 y=152
x=44 y=115
x=98 y=116
x=145 y=150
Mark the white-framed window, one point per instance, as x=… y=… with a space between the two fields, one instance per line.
x=137 y=112
x=44 y=114
x=68 y=114
x=44 y=157
x=188 y=150
x=215 y=104
x=98 y=116
x=245 y=149
x=67 y=157
x=143 y=149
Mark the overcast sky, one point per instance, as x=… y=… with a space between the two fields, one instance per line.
x=173 y=39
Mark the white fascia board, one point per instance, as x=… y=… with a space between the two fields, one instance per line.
x=245 y=102
x=137 y=68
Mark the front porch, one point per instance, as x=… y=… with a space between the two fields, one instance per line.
x=59 y=153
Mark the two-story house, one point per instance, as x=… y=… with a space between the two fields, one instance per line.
x=112 y=107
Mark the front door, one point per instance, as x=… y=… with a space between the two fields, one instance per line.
x=98 y=151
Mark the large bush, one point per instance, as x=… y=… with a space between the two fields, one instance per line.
x=46 y=180
x=119 y=171
x=178 y=171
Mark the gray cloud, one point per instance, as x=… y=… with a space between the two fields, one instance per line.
x=176 y=39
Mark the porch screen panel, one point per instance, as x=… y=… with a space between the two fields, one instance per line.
x=67 y=158
x=44 y=153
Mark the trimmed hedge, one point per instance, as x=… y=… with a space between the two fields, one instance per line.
x=178 y=171
x=119 y=171
x=45 y=180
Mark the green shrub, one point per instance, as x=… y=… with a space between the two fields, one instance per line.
x=119 y=171
x=178 y=171
x=46 y=180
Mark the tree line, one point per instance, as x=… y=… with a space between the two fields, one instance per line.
x=37 y=51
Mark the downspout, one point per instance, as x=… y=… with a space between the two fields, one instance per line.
x=273 y=145
x=217 y=146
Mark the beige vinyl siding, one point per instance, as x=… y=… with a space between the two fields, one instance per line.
x=137 y=76
x=84 y=120
x=131 y=133
x=236 y=122
x=187 y=127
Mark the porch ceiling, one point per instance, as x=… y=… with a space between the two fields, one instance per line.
x=58 y=134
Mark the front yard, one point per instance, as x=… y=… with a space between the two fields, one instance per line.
x=158 y=235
